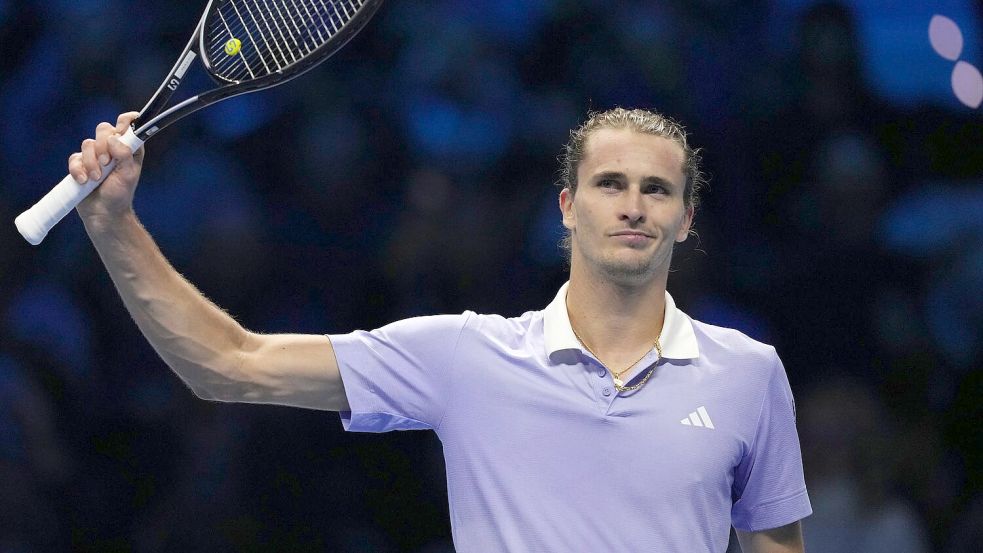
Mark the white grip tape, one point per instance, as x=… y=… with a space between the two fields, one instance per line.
x=35 y=223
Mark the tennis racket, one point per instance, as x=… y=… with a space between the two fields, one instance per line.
x=245 y=46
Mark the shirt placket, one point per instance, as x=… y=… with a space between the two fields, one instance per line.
x=602 y=381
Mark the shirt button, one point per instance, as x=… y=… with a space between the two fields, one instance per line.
x=601 y=374
x=606 y=391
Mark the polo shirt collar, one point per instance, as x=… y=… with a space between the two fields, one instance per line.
x=677 y=339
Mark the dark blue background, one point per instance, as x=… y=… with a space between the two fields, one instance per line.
x=413 y=174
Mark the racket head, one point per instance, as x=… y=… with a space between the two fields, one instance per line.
x=259 y=43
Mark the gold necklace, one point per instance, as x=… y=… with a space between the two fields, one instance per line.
x=618 y=383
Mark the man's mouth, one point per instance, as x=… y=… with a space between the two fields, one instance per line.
x=631 y=237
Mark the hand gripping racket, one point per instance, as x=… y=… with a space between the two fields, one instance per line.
x=244 y=45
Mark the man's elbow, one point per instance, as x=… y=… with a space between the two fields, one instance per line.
x=223 y=381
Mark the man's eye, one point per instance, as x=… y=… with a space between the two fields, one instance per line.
x=607 y=183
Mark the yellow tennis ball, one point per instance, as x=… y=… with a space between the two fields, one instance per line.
x=233 y=46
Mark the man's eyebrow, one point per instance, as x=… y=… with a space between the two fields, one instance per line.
x=610 y=175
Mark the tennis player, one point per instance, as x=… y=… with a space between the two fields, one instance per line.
x=608 y=421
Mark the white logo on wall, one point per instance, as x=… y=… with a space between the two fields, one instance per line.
x=947 y=40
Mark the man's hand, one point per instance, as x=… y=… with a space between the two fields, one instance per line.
x=784 y=539
x=114 y=197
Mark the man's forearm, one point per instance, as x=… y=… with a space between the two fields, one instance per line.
x=198 y=340
x=784 y=539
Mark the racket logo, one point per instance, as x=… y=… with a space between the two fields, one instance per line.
x=233 y=46
x=181 y=69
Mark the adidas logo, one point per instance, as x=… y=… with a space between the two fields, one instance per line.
x=700 y=417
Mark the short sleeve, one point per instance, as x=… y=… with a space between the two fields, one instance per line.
x=769 y=486
x=397 y=377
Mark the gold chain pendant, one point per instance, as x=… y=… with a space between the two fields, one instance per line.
x=619 y=384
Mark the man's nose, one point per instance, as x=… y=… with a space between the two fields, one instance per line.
x=633 y=208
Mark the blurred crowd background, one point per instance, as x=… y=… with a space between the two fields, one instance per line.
x=413 y=174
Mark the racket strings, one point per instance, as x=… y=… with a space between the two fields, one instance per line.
x=249 y=39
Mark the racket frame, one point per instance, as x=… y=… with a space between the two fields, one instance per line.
x=35 y=222
x=160 y=118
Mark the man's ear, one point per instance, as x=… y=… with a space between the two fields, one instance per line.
x=566 y=208
x=687 y=224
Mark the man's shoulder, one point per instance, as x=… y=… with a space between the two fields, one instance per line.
x=746 y=363
x=730 y=342
x=468 y=325
x=491 y=324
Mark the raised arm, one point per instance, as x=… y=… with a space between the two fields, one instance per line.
x=211 y=352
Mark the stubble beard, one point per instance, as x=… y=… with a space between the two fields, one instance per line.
x=640 y=269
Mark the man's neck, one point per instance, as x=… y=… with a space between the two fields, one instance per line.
x=616 y=320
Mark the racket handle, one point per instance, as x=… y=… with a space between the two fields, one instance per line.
x=35 y=223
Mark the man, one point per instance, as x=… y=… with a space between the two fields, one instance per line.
x=610 y=421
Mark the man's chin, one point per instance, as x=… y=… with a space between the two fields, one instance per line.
x=629 y=270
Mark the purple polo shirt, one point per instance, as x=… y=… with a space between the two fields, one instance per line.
x=543 y=454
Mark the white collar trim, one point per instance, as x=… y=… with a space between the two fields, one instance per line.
x=677 y=339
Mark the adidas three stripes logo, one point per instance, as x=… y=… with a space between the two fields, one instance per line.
x=700 y=417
